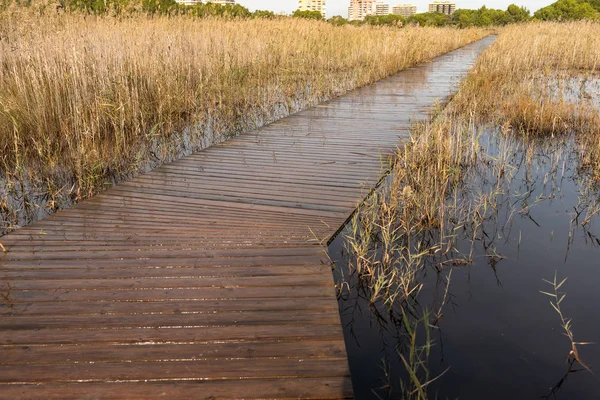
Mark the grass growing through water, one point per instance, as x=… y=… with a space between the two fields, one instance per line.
x=538 y=78
x=573 y=358
x=450 y=192
x=87 y=100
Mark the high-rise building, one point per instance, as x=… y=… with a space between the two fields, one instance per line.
x=359 y=9
x=313 y=5
x=444 y=7
x=380 y=8
x=404 y=10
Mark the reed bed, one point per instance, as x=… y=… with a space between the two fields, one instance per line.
x=539 y=78
x=449 y=192
x=87 y=101
x=435 y=191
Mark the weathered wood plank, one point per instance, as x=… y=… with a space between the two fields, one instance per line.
x=284 y=389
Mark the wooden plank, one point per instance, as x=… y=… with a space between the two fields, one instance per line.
x=206 y=370
x=194 y=306
x=232 y=260
x=283 y=389
x=97 y=353
x=208 y=318
x=172 y=335
x=162 y=294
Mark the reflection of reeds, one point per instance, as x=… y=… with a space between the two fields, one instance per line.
x=415 y=361
x=541 y=79
x=85 y=99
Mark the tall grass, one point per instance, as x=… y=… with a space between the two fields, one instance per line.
x=436 y=190
x=543 y=79
x=449 y=192
x=534 y=79
x=85 y=100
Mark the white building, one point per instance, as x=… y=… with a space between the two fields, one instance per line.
x=404 y=10
x=444 y=7
x=380 y=8
x=313 y=5
x=359 y=9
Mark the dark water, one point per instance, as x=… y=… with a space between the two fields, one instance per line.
x=499 y=338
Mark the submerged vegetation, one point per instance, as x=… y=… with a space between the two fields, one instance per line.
x=86 y=101
x=453 y=192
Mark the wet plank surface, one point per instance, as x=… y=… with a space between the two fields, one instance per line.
x=207 y=278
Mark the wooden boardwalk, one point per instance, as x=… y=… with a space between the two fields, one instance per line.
x=203 y=278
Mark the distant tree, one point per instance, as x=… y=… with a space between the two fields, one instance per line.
x=389 y=19
x=159 y=6
x=202 y=10
x=429 y=19
x=567 y=10
x=490 y=17
x=595 y=4
x=518 y=14
x=464 y=18
x=337 y=20
x=307 y=14
x=263 y=14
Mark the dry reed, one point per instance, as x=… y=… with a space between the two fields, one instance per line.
x=450 y=191
x=86 y=100
x=534 y=78
x=433 y=190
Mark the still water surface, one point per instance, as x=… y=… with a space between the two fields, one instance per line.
x=499 y=338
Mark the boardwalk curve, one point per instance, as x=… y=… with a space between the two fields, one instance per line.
x=203 y=278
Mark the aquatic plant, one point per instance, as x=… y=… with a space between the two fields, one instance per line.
x=573 y=357
x=537 y=78
x=448 y=197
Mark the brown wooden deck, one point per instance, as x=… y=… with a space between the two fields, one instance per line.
x=203 y=278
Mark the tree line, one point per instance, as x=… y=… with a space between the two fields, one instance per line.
x=150 y=7
x=561 y=10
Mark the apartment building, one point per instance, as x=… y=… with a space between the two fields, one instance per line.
x=380 y=8
x=444 y=7
x=313 y=5
x=359 y=9
x=404 y=10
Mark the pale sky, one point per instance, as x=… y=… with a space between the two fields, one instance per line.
x=340 y=7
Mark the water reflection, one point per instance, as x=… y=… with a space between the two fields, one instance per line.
x=495 y=336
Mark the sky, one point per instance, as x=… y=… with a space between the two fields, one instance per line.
x=340 y=7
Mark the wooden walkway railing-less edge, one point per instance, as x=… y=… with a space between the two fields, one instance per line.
x=202 y=279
